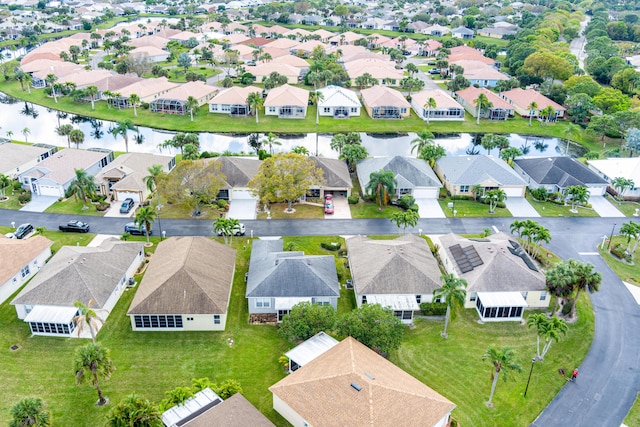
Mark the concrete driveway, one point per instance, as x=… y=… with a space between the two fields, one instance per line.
x=39 y=203
x=429 y=208
x=114 y=211
x=341 y=209
x=604 y=208
x=520 y=208
x=242 y=209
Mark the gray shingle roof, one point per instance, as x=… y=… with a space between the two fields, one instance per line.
x=563 y=171
x=334 y=171
x=409 y=172
x=274 y=273
x=80 y=273
x=401 y=266
x=238 y=170
x=186 y=275
x=471 y=170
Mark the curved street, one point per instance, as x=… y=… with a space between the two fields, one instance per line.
x=608 y=380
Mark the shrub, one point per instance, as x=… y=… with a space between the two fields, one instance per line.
x=540 y=194
x=619 y=252
x=433 y=308
x=568 y=305
x=17 y=185
x=222 y=204
x=24 y=197
x=406 y=201
x=354 y=198
x=414 y=208
x=102 y=206
x=333 y=246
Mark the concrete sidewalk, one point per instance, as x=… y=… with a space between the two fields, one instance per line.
x=39 y=203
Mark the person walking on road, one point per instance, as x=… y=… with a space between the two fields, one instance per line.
x=574 y=375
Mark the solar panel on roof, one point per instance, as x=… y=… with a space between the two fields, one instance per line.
x=461 y=258
x=473 y=256
x=521 y=254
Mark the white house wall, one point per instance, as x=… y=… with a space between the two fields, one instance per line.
x=14 y=283
x=199 y=322
x=288 y=413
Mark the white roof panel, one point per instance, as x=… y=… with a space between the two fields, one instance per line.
x=51 y=314
x=395 y=302
x=311 y=348
x=502 y=299
x=287 y=303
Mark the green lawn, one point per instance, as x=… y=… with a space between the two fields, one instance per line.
x=454 y=366
x=302 y=211
x=470 y=208
x=633 y=417
x=71 y=206
x=627 y=208
x=12 y=203
x=372 y=210
x=552 y=209
x=628 y=272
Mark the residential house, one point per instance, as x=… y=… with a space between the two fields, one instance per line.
x=498 y=30
x=418 y=26
x=277 y=280
x=404 y=274
x=414 y=176
x=502 y=280
x=146 y=89
x=336 y=175
x=113 y=83
x=446 y=107
x=284 y=44
x=84 y=78
x=385 y=103
x=123 y=178
x=466 y=53
x=429 y=48
x=186 y=287
x=324 y=35
x=174 y=101
x=462 y=33
x=521 y=99
x=310 y=349
x=436 y=30
x=338 y=102
x=96 y=275
x=155 y=41
x=20 y=260
x=373 y=24
x=460 y=174
x=15 y=158
x=233 y=101
x=365 y=389
x=305 y=49
x=151 y=54
x=53 y=175
x=264 y=70
x=184 y=36
x=480 y=74
x=380 y=69
x=287 y=102
x=237 y=172
x=348 y=37
x=557 y=173
x=613 y=168
x=499 y=109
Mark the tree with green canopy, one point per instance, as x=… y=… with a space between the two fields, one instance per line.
x=91 y=363
x=382 y=185
x=453 y=293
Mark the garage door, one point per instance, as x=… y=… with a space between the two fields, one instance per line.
x=49 y=190
x=597 y=191
x=125 y=194
x=425 y=193
x=241 y=194
x=514 y=192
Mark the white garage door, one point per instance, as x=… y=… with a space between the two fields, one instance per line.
x=50 y=190
x=125 y=194
x=597 y=191
x=241 y=194
x=514 y=192
x=425 y=193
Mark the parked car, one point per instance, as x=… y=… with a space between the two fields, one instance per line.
x=23 y=230
x=431 y=63
x=127 y=205
x=75 y=226
x=328 y=197
x=237 y=231
x=328 y=206
x=133 y=229
x=434 y=71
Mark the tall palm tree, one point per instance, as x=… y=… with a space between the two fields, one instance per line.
x=4 y=183
x=19 y=75
x=586 y=280
x=82 y=186
x=422 y=139
x=192 y=105
x=92 y=362
x=77 y=137
x=482 y=103
x=29 y=412
x=271 y=141
x=134 y=100
x=569 y=131
x=135 y=411
x=122 y=129
x=26 y=132
x=453 y=293
x=381 y=184
x=92 y=91
x=65 y=130
x=316 y=98
x=404 y=219
x=151 y=180
x=221 y=226
x=9 y=134
x=431 y=104
x=87 y=317
x=51 y=80
x=255 y=101
x=533 y=107
x=338 y=142
x=145 y=216
x=495 y=197
x=631 y=230
x=504 y=361
x=621 y=185
x=578 y=194
x=560 y=282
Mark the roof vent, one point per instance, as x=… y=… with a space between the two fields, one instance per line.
x=371 y=377
x=356 y=386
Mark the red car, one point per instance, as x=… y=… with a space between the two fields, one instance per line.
x=328 y=207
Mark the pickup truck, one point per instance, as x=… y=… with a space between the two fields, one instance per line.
x=75 y=226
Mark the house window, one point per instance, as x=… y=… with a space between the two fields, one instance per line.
x=403 y=111
x=418 y=299
x=226 y=107
x=354 y=109
x=272 y=109
x=364 y=299
x=326 y=109
x=263 y=302
x=543 y=295
x=158 y=321
x=524 y=295
x=407 y=315
x=281 y=314
x=216 y=319
x=464 y=188
x=25 y=271
x=473 y=296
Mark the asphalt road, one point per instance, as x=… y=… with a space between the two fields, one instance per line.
x=608 y=381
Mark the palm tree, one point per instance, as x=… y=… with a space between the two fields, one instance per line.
x=192 y=105
x=29 y=412
x=586 y=279
x=495 y=197
x=134 y=100
x=221 y=226
x=92 y=362
x=151 y=180
x=316 y=98
x=255 y=101
x=65 y=130
x=77 y=137
x=569 y=131
x=338 y=142
x=92 y=91
x=482 y=103
x=51 y=80
x=381 y=184
x=453 y=293
x=299 y=149
x=26 y=132
x=405 y=218
x=4 y=183
x=422 y=139
x=621 y=185
x=431 y=104
x=145 y=216
x=560 y=280
x=271 y=141
x=9 y=134
x=431 y=153
x=87 y=317
x=82 y=186
x=122 y=129
x=533 y=107
x=135 y=411
x=547 y=112
x=578 y=194
x=631 y=230
x=19 y=75
x=502 y=361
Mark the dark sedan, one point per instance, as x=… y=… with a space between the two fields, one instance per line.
x=75 y=226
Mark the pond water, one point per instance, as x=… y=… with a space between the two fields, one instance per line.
x=33 y=123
